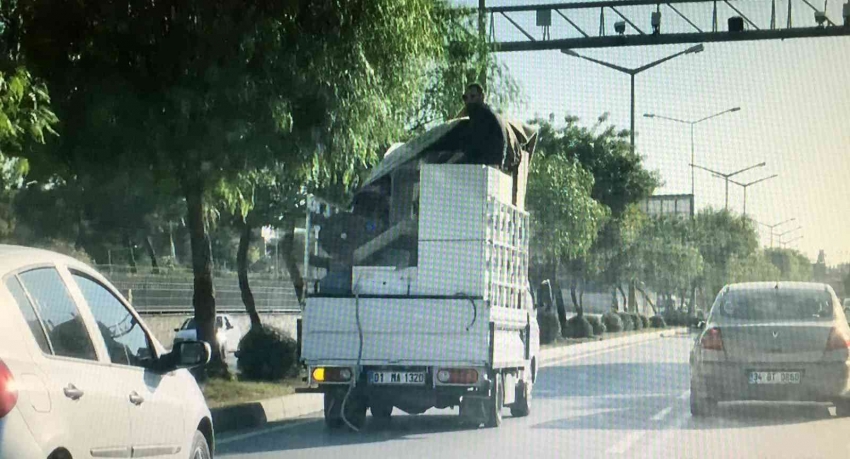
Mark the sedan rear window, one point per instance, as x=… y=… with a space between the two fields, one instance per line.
x=775 y=305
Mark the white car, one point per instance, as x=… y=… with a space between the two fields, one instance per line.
x=227 y=333
x=82 y=376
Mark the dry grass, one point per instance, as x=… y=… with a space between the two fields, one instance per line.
x=221 y=392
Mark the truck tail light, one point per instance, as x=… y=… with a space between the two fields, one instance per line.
x=712 y=340
x=457 y=376
x=8 y=390
x=837 y=341
x=331 y=374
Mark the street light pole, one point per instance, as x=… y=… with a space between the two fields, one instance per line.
x=632 y=72
x=747 y=185
x=632 y=117
x=787 y=232
x=726 y=177
x=692 y=123
x=770 y=227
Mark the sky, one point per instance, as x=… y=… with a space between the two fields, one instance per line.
x=795 y=112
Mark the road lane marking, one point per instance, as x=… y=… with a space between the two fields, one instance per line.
x=255 y=433
x=626 y=443
x=662 y=414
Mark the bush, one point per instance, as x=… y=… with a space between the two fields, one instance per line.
x=266 y=354
x=597 y=324
x=579 y=327
x=675 y=318
x=550 y=328
x=657 y=322
x=645 y=321
x=628 y=325
x=638 y=324
x=612 y=321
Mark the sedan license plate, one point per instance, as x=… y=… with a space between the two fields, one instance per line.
x=397 y=377
x=775 y=377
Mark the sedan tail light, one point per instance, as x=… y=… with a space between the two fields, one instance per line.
x=712 y=340
x=8 y=390
x=837 y=341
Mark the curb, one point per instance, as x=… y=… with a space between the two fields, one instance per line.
x=256 y=414
x=259 y=413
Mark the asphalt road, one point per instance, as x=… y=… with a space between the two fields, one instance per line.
x=629 y=401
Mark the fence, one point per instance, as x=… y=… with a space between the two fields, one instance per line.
x=170 y=290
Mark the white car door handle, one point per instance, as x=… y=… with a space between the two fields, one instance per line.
x=136 y=399
x=72 y=392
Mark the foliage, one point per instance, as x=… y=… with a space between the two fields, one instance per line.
x=637 y=322
x=754 y=267
x=657 y=322
x=628 y=324
x=668 y=261
x=266 y=354
x=597 y=324
x=613 y=322
x=620 y=178
x=792 y=265
x=644 y=321
x=578 y=327
x=565 y=219
x=550 y=327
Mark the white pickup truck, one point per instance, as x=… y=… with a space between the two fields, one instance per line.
x=421 y=300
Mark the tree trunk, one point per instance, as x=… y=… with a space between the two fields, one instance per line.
x=626 y=305
x=242 y=270
x=576 y=302
x=692 y=306
x=203 y=298
x=290 y=261
x=131 y=253
x=615 y=300
x=151 y=254
x=646 y=297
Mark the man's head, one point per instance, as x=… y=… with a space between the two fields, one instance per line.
x=474 y=94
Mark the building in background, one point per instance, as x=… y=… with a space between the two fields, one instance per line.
x=678 y=205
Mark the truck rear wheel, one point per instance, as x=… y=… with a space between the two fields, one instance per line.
x=381 y=411
x=522 y=403
x=495 y=402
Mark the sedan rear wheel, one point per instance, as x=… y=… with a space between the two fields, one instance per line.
x=701 y=406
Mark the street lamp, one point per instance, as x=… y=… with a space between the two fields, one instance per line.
x=785 y=244
x=726 y=177
x=747 y=185
x=770 y=227
x=787 y=232
x=692 y=124
x=632 y=72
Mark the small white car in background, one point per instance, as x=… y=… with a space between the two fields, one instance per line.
x=82 y=376
x=227 y=332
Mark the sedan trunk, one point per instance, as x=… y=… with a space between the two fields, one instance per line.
x=776 y=342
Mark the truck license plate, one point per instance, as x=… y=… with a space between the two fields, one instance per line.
x=397 y=377
x=775 y=377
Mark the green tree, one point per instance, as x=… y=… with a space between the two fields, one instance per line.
x=669 y=263
x=721 y=236
x=619 y=181
x=199 y=92
x=565 y=218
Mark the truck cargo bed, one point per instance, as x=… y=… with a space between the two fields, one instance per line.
x=411 y=331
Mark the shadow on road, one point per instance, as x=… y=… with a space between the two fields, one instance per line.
x=401 y=427
x=625 y=396
x=599 y=380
